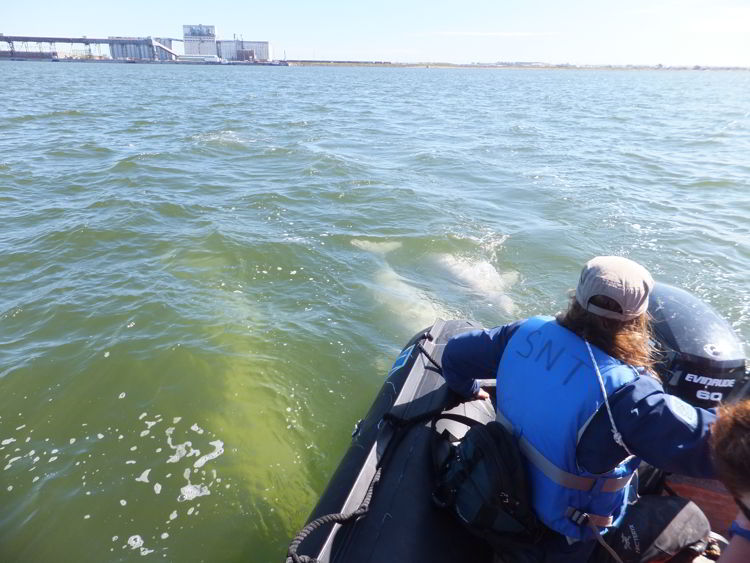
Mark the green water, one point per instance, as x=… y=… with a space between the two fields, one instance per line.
x=206 y=271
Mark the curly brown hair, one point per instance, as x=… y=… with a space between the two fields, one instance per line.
x=730 y=444
x=628 y=341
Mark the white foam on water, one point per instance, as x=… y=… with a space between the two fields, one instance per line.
x=123 y=502
x=218 y=450
x=381 y=248
x=53 y=458
x=72 y=441
x=11 y=460
x=191 y=510
x=173 y=515
x=157 y=488
x=7 y=441
x=176 y=419
x=86 y=516
x=196 y=428
x=181 y=450
x=135 y=542
x=100 y=436
x=164 y=536
x=190 y=491
x=121 y=395
x=144 y=476
x=481 y=278
x=145 y=433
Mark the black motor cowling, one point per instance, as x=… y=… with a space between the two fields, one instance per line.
x=702 y=360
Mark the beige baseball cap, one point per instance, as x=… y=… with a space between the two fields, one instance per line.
x=626 y=282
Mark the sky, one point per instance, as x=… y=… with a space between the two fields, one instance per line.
x=668 y=32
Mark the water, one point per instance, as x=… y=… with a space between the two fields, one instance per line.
x=206 y=271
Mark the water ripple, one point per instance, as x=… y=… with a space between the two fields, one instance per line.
x=247 y=258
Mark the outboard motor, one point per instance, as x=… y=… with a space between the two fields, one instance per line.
x=702 y=360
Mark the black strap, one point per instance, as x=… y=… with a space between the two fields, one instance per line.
x=452 y=416
x=402 y=426
x=427 y=355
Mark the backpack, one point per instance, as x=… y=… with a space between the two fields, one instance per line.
x=483 y=482
x=658 y=528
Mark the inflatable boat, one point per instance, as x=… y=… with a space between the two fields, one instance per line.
x=378 y=505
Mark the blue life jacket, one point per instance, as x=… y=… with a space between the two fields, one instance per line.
x=548 y=392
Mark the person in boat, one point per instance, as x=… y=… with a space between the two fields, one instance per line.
x=581 y=395
x=731 y=448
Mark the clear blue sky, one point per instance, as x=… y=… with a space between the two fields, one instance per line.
x=671 y=32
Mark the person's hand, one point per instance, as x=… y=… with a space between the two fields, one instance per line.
x=481 y=394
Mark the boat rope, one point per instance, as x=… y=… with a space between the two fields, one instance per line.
x=338 y=518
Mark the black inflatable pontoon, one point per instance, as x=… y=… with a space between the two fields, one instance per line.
x=402 y=525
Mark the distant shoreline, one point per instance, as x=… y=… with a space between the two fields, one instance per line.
x=388 y=64
x=508 y=65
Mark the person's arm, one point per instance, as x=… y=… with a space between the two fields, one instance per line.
x=474 y=355
x=661 y=429
x=664 y=430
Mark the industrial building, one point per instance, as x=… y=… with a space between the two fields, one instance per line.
x=238 y=50
x=201 y=43
x=200 y=40
x=141 y=49
x=138 y=48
